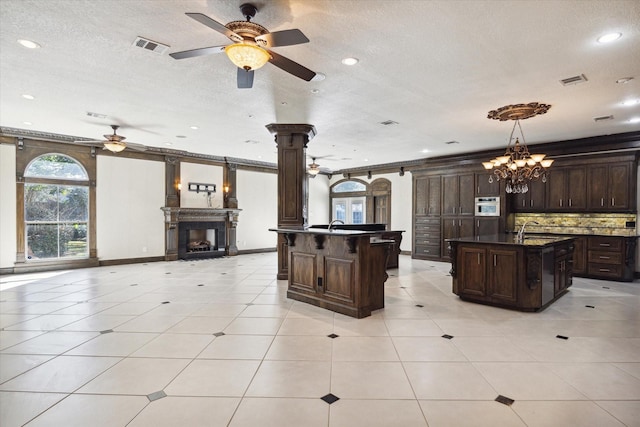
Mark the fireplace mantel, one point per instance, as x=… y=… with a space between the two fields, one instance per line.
x=173 y=216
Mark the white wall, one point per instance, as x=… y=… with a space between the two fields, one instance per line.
x=203 y=174
x=401 y=196
x=129 y=195
x=319 y=207
x=7 y=205
x=257 y=194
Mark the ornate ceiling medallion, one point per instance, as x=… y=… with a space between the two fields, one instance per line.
x=518 y=111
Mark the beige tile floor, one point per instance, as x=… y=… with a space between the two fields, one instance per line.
x=217 y=343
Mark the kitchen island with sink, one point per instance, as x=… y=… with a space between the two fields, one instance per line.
x=526 y=274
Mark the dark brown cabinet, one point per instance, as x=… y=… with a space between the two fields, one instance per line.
x=487 y=226
x=427 y=195
x=486 y=188
x=503 y=275
x=455 y=228
x=488 y=273
x=458 y=194
x=534 y=199
x=580 y=256
x=563 y=269
x=426 y=238
x=567 y=189
x=608 y=187
x=611 y=257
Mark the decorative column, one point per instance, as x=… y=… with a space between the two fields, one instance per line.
x=229 y=186
x=172 y=200
x=291 y=140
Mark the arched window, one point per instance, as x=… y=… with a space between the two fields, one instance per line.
x=56 y=208
x=356 y=202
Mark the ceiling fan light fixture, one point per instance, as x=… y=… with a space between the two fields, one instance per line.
x=115 y=146
x=247 y=56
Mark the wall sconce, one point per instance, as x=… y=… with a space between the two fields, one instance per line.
x=179 y=186
x=401 y=170
x=368 y=174
x=205 y=188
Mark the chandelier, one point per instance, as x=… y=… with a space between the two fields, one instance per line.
x=517 y=166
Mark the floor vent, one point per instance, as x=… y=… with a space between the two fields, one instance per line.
x=388 y=123
x=602 y=118
x=573 y=80
x=154 y=47
x=452 y=142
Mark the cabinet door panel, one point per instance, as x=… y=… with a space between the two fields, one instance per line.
x=466 y=194
x=577 y=188
x=597 y=187
x=580 y=256
x=503 y=276
x=487 y=226
x=434 y=193
x=466 y=227
x=473 y=271
x=339 y=279
x=619 y=196
x=420 y=190
x=556 y=190
x=450 y=194
x=486 y=188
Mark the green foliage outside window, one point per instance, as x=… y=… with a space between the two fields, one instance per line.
x=56 y=216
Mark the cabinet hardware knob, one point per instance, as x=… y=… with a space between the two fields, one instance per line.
x=601 y=201
x=613 y=201
x=605 y=244
x=569 y=201
x=605 y=257
x=605 y=270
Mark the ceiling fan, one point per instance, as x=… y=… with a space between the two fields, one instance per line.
x=114 y=142
x=250 y=49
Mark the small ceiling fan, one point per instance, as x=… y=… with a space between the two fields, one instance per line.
x=314 y=168
x=250 y=48
x=114 y=142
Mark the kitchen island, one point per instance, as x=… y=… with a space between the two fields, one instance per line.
x=340 y=270
x=504 y=271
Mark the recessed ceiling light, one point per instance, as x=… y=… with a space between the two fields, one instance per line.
x=318 y=77
x=366 y=160
x=630 y=102
x=168 y=144
x=314 y=91
x=635 y=120
x=29 y=97
x=180 y=136
x=29 y=44
x=27 y=123
x=195 y=127
x=425 y=151
x=607 y=38
x=350 y=61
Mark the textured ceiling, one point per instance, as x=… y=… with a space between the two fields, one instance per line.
x=434 y=67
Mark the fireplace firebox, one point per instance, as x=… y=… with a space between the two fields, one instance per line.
x=197 y=233
x=198 y=240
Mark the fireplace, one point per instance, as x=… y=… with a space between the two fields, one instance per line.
x=201 y=240
x=196 y=233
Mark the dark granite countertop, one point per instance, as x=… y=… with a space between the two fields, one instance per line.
x=511 y=239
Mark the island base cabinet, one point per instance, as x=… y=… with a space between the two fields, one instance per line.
x=526 y=278
x=341 y=274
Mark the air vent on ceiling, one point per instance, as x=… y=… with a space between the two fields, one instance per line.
x=147 y=44
x=388 y=123
x=602 y=118
x=573 y=80
x=452 y=142
x=96 y=115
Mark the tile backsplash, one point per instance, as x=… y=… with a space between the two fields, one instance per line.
x=579 y=223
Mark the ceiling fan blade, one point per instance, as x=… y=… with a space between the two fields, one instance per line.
x=197 y=52
x=245 y=79
x=215 y=25
x=282 y=38
x=291 y=67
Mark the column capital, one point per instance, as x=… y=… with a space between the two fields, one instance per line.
x=290 y=129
